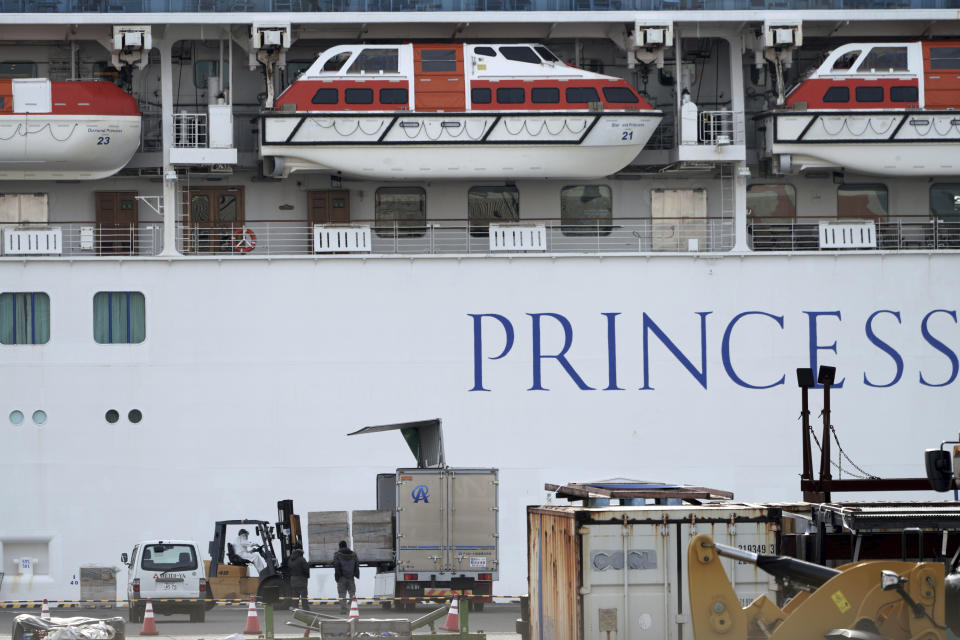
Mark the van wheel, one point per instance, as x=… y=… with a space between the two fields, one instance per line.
x=199 y=614
x=385 y=605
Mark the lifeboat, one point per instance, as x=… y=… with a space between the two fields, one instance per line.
x=877 y=108
x=82 y=130
x=454 y=111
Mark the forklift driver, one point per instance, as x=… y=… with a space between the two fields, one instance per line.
x=249 y=551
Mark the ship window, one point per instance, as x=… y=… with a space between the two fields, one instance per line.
x=586 y=210
x=358 y=96
x=862 y=201
x=869 y=94
x=945 y=200
x=520 y=54
x=480 y=96
x=510 y=95
x=119 y=317
x=884 y=59
x=545 y=95
x=771 y=201
x=336 y=62
x=376 y=61
x=577 y=95
x=485 y=51
x=203 y=70
x=904 y=94
x=546 y=54
x=845 y=62
x=325 y=96
x=491 y=204
x=24 y=318
x=400 y=212
x=18 y=69
x=837 y=94
x=295 y=69
x=944 y=58
x=621 y=95
x=393 y=96
x=437 y=60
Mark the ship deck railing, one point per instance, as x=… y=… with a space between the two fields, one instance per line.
x=266 y=238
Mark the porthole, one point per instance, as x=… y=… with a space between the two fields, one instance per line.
x=112 y=416
x=16 y=416
x=39 y=416
x=135 y=416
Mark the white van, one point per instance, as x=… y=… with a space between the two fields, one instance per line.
x=170 y=573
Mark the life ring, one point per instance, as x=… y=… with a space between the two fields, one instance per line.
x=244 y=240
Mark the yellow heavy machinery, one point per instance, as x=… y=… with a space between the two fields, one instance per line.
x=875 y=600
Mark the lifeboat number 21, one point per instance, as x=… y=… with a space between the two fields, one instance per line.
x=626 y=135
x=106 y=140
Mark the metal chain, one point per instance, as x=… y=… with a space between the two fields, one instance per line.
x=844 y=454
x=836 y=466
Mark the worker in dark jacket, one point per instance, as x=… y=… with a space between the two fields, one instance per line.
x=346 y=568
x=299 y=574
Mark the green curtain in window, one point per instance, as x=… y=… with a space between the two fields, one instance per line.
x=24 y=318
x=119 y=317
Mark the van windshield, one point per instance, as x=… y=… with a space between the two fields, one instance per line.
x=169 y=557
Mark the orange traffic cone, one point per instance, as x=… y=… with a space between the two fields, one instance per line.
x=452 y=623
x=253 y=622
x=354 y=610
x=45 y=610
x=149 y=624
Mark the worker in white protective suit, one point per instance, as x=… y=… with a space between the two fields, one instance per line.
x=248 y=551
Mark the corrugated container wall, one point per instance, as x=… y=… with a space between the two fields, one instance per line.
x=579 y=588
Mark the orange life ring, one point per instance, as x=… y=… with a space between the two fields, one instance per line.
x=244 y=240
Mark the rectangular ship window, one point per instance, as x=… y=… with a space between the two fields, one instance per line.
x=24 y=318
x=400 y=212
x=326 y=96
x=511 y=95
x=376 y=61
x=545 y=95
x=944 y=58
x=867 y=201
x=358 y=96
x=869 y=94
x=620 y=95
x=771 y=201
x=578 y=95
x=904 y=94
x=119 y=317
x=837 y=94
x=884 y=59
x=586 y=210
x=491 y=204
x=393 y=96
x=945 y=200
x=438 y=60
x=480 y=96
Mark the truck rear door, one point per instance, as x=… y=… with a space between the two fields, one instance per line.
x=473 y=520
x=421 y=529
x=169 y=570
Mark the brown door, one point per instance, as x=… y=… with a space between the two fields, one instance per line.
x=117 y=220
x=327 y=207
x=941 y=67
x=215 y=218
x=438 y=77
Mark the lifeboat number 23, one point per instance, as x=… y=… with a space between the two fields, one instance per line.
x=106 y=140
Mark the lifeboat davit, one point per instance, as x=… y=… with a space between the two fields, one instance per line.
x=878 y=108
x=454 y=111
x=79 y=130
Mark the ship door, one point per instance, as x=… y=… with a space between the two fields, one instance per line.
x=327 y=207
x=117 y=220
x=941 y=68
x=215 y=216
x=438 y=77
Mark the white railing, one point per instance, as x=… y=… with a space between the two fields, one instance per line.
x=32 y=241
x=190 y=130
x=721 y=127
x=73 y=239
x=902 y=234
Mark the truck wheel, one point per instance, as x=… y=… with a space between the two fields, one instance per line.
x=199 y=614
x=385 y=605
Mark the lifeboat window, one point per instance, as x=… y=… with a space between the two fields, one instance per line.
x=336 y=62
x=586 y=210
x=545 y=95
x=944 y=200
x=837 y=94
x=376 y=61
x=393 y=96
x=846 y=61
x=400 y=212
x=326 y=96
x=869 y=94
x=491 y=204
x=944 y=58
x=358 y=96
x=620 y=95
x=577 y=95
x=480 y=96
x=485 y=51
x=546 y=54
x=24 y=318
x=520 y=54
x=771 y=201
x=119 y=317
x=904 y=94
x=511 y=95
x=438 y=60
x=862 y=201
x=884 y=59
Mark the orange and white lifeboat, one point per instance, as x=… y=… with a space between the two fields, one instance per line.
x=454 y=111
x=877 y=108
x=81 y=130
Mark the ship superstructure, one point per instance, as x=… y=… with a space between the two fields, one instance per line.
x=596 y=238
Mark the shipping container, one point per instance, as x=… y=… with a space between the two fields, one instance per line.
x=620 y=572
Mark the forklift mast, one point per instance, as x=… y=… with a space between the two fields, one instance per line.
x=288 y=530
